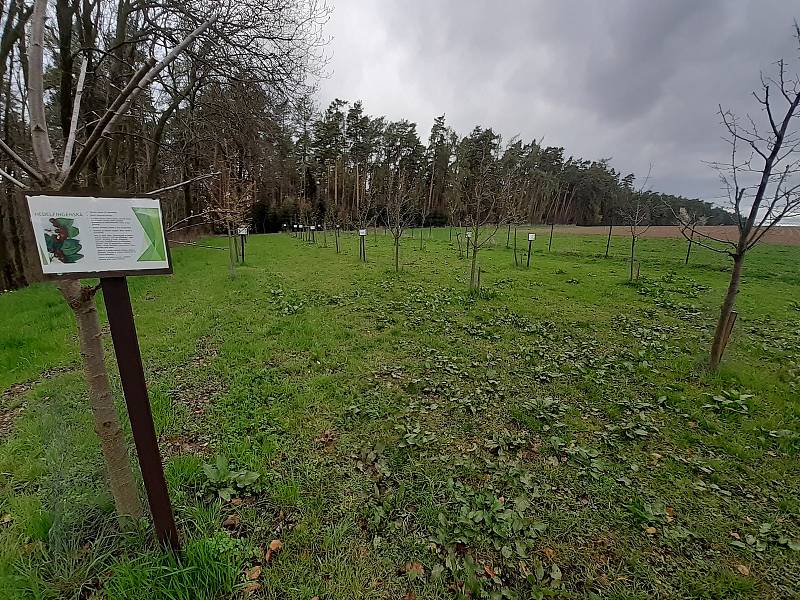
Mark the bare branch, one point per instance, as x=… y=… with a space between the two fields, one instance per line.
x=76 y=108
x=182 y=183
x=20 y=162
x=16 y=182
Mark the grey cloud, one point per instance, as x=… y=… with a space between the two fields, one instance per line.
x=636 y=81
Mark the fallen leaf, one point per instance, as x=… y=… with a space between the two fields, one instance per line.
x=743 y=570
x=549 y=553
x=415 y=569
x=251 y=588
x=735 y=535
x=274 y=546
x=236 y=501
x=232 y=521
x=410 y=596
x=651 y=531
x=489 y=571
x=253 y=572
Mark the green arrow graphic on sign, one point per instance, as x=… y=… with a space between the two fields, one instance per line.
x=150 y=219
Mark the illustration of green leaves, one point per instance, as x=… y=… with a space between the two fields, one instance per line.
x=61 y=241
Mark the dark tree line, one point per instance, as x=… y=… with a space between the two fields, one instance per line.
x=344 y=161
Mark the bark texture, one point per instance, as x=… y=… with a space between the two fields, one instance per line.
x=718 y=345
x=106 y=420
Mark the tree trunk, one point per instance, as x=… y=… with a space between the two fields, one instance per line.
x=473 y=275
x=718 y=345
x=106 y=420
x=633 y=254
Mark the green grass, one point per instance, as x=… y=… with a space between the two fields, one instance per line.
x=556 y=437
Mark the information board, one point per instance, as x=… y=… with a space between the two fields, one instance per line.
x=88 y=236
x=531 y=237
x=362 y=232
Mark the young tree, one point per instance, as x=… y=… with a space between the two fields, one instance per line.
x=401 y=209
x=762 y=180
x=483 y=192
x=634 y=211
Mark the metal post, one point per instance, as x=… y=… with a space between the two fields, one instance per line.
x=550 y=244
x=528 y=265
x=131 y=373
x=242 y=240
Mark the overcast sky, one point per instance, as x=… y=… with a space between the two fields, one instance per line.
x=635 y=80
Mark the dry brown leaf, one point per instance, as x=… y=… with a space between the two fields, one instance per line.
x=236 y=501
x=415 y=568
x=651 y=531
x=744 y=570
x=735 y=535
x=549 y=553
x=253 y=572
x=274 y=546
x=489 y=571
x=251 y=588
x=232 y=521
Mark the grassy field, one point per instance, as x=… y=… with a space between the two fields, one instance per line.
x=556 y=437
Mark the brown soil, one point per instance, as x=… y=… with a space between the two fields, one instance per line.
x=788 y=235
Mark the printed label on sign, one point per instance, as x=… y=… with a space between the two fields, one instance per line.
x=469 y=234
x=362 y=232
x=86 y=235
x=313 y=228
x=243 y=230
x=531 y=237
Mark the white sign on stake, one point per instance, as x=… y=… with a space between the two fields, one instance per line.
x=243 y=230
x=362 y=232
x=87 y=236
x=531 y=237
x=294 y=226
x=313 y=228
x=469 y=235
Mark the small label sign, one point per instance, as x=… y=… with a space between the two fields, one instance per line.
x=313 y=228
x=531 y=237
x=243 y=230
x=86 y=236
x=362 y=232
x=469 y=235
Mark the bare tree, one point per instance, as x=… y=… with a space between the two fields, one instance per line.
x=761 y=179
x=401 y=208
x=692 y=220
x=484 y=195
x=635 y=214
